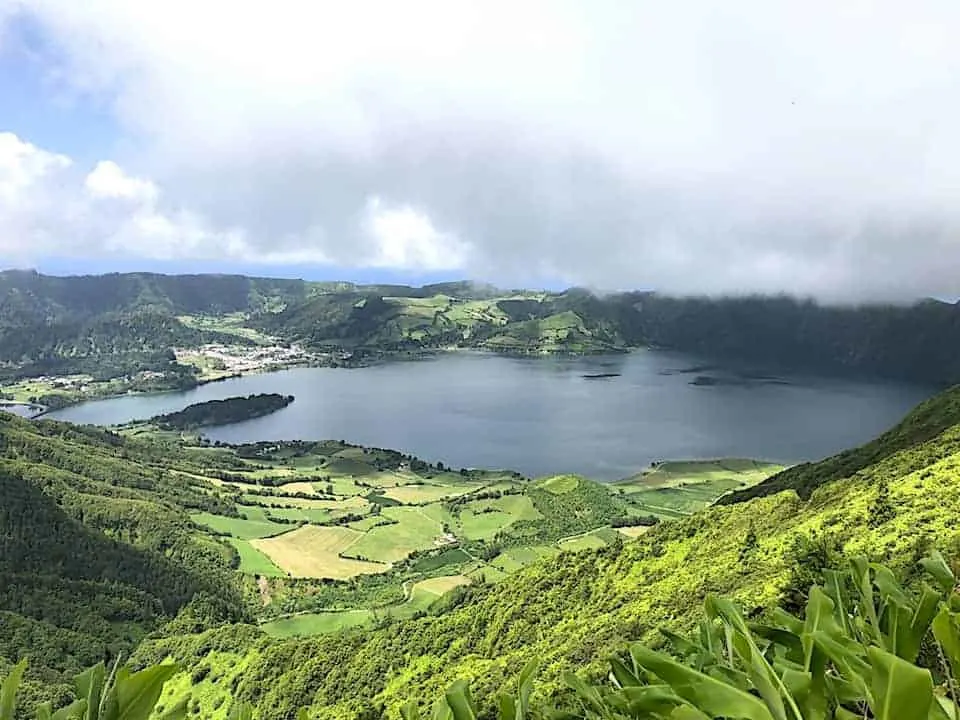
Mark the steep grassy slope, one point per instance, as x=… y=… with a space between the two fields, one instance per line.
x=926 y=421
x=575 y=609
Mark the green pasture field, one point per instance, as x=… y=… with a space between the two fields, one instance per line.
x=238 y=527
x=390 y=543
x=314 y=551
x=317 y=623
x=254 y=562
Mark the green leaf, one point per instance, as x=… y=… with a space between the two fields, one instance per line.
x=525 y=688
x=507 y=706
x=460 y=702
x=410 y=710
x=650 y=699
x=767 y=682
x=137 y=694
x=8 y=690
x=74 y=711
x=179 y=711
x=711 y=696
x=89 y=686
x=939 y=570
x=587 y=693
x=912 y=634
x=44 y=711
x=900 y=690
x=946 y=629
x=441 y=711
x=623 y=675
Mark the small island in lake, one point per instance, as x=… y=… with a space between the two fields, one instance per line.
x=222 y=412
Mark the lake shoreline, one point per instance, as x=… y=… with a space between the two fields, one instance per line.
x=541 y=416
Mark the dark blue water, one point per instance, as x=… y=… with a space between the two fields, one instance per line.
x=541 y=416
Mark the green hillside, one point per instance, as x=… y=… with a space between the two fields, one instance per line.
x=107 y=325
x=572 y=610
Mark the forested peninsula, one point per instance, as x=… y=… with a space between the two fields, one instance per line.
x=222 y=412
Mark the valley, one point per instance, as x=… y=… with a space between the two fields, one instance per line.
x=206 y=528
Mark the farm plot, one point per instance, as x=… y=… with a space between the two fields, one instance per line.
x=416 y=494
x=238 y=527
x=312 y=551
x=254 y=562
x=317 y=623
x=413 y=530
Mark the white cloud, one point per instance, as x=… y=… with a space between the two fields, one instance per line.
x=407 y=239
x=688 y=146
x=108 y=180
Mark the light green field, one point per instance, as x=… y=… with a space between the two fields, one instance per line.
x=441 y=585
x=231 y=324
x=238 y=527
x=390 y=543
x=633 y=532
x=438 y=513
x=676 y=489
x=415 y=494
x=254 y=562
x=317 y=516
x=312 y=551
x=515 y=558
x=582 y=542
x=370 y=521
x=478 y=525
x=560 y=484
x=317 y=623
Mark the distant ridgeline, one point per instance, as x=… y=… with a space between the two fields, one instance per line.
x=222 y=412
x=107 y=324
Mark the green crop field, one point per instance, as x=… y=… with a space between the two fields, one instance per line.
x=317 y=623
x=560 y=484
x=675 y=489
x=238 y=527
x=312 y=551
x=389 y=543
x=317 y=516
x=414 y=494
x=254 y=562
x=590 y=541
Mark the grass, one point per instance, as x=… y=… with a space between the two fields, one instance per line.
x=312 y=551
x=561 y=484
x=515 y=558
x=441 y=585
x=390 y=543
x=589 y=541
x=317 y=623
x=447 y=558
x=675 y=489
x=482 y=519
x=254 y=562
x=318 y=516
x=633 y=532
x=415 y=494
x=238 y=527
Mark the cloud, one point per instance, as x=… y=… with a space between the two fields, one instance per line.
x=694 y=146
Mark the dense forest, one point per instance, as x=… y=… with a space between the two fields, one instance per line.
x=222 y=412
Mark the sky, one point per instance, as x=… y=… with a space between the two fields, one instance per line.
x=695 y=146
